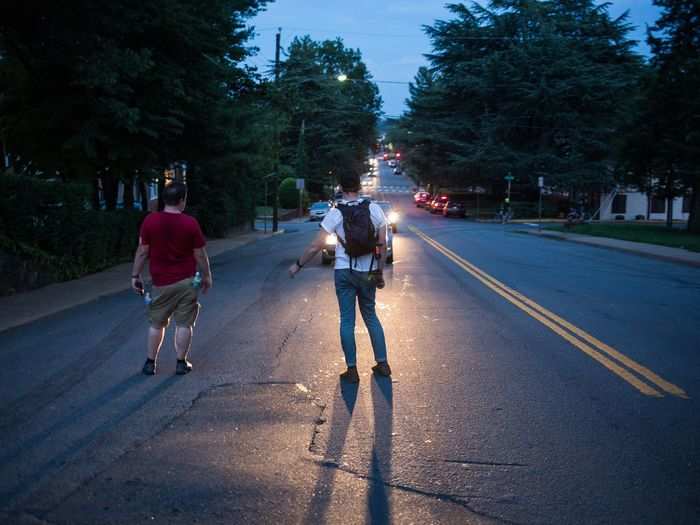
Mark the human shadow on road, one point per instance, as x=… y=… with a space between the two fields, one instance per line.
x=72 y=418
x=11 y=497
x=344 y=400
x=378 y=503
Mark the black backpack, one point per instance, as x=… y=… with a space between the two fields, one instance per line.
x=360 y=233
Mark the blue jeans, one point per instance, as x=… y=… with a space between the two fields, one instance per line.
x=351 y=285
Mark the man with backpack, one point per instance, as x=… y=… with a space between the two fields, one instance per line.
x=360 y=227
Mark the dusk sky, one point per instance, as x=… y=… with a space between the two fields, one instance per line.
x=388 y=33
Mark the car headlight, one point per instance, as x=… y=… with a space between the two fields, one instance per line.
x=332 y=239
x=393 y=217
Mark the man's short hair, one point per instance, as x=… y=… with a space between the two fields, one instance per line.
x=350 y=181
x=174 y=193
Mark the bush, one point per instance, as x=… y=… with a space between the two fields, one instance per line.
x=49 y=225
x=289 y=194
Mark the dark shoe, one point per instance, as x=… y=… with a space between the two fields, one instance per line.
x=183 y=367
x=382 y=369
x=350 y=375
x=149 y=368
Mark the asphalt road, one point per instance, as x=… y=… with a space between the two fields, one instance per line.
x=535 y=381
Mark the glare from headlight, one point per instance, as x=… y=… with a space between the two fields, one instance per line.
x=332 y=239
x=393 y=217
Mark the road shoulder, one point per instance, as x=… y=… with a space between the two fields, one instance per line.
x=666 y=253
x=23 y=308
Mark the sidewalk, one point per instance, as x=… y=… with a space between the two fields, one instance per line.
x=656 y=251
x=16 y=310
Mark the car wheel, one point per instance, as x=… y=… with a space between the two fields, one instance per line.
x=390 y=259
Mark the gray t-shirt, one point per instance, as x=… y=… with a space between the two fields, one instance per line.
x=333 y=224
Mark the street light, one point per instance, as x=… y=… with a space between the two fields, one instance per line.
x=342 y=77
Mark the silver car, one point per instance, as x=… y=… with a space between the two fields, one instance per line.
x=319 y=210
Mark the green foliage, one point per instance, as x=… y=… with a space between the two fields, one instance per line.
x=529 y=88
x=289 y=194
x=650 y=234
x=330 y=123
x=129 y=86
x=50 y=224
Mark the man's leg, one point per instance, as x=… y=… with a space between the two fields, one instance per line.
x=366 y=298
x=155 y=340
x=346 y=293
x=183 y=341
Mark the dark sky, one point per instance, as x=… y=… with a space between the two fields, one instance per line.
x=387 y=32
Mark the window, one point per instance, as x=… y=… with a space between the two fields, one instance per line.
x=619 y=204
x=658 y=205
x=686 y=203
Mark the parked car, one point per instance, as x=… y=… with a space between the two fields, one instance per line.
x=328 y=251
x=398 y=170
x=454 y=208
x=422 y=198
x=391 y=215
x=438 y=204
x=318 y=210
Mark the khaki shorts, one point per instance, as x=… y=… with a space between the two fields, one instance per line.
x=178 y=300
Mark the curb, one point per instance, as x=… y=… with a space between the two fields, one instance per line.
x=23 y=305
x=670 y=257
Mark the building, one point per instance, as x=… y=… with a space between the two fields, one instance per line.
x=628 y=204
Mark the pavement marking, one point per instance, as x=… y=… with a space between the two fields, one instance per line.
x=565 y=329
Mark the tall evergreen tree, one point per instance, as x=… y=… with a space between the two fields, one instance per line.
x=339 y=117
x=530 y=88
x=675 y=44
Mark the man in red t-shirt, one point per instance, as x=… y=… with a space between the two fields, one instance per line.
x=175 y=246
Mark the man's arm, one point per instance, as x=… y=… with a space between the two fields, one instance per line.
x=316 y=246
x=200 y=255
x=382 y=248
x=140 y=259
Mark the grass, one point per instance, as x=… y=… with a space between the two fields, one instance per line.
x=647 y=233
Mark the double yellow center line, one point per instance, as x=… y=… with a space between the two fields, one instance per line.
x=637 y=375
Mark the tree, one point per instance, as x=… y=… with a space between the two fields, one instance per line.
x=675 y=44
x=530 y=88
x=338 y=118
x=93 y=90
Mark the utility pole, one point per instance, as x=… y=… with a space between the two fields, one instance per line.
x=275 y=180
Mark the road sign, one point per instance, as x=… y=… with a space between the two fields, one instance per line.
x=540 y=182
x=509 y=178
x=300 y=184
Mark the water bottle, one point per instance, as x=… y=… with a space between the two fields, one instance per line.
x=197 y=280
x=147 y=298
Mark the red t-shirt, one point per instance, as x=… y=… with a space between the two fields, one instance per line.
x=172 y=239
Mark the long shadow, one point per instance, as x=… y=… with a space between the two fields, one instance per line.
x=73 y=417
x=344 y=400
x=75 y=372
x=10 y=497
x=378 y=498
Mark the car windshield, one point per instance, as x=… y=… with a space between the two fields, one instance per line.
x=320 y=206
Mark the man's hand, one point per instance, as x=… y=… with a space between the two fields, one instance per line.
x=293 y=270
x=377 y=277
x=137 y=285
x=207 y=282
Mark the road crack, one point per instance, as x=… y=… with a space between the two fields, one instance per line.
x=440 y=496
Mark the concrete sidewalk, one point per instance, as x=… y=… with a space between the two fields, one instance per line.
x=677 y=255
x=16 y=310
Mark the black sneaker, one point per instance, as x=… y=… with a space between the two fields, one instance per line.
x=382 y=369
x=350 y=375
x=183 y=367
x=149 y=368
